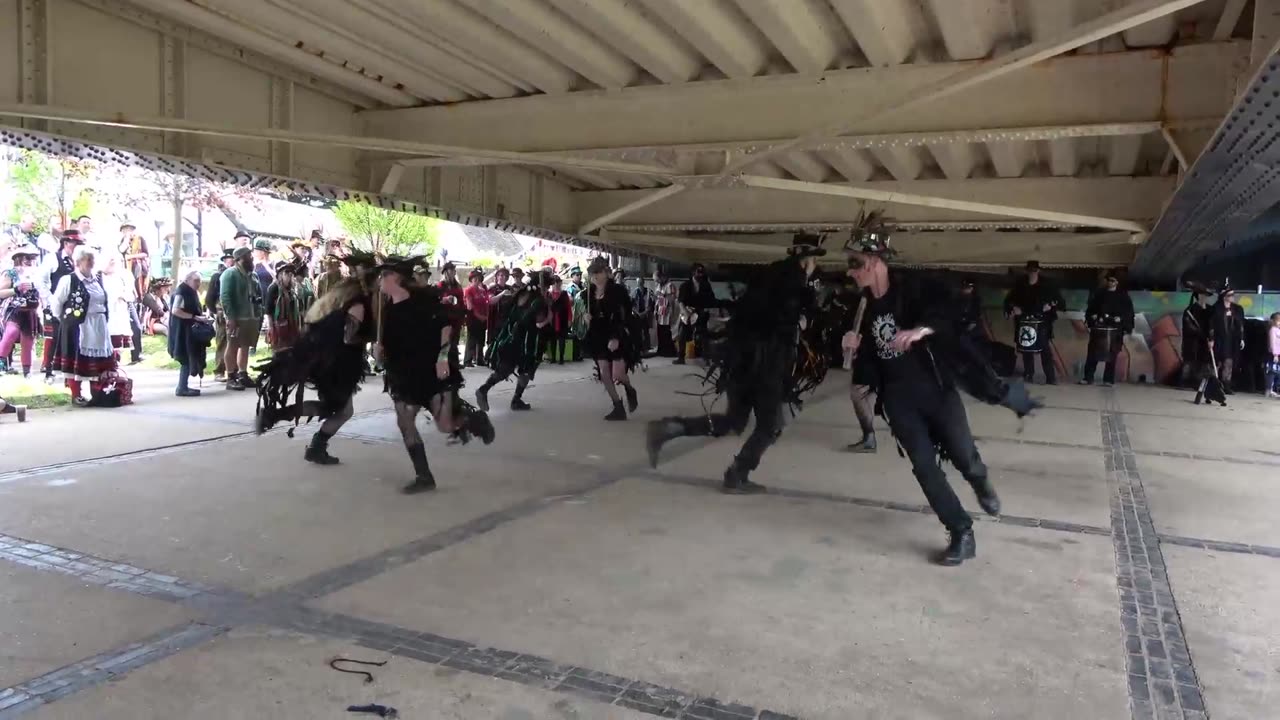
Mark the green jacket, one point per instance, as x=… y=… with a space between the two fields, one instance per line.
x=236 y=294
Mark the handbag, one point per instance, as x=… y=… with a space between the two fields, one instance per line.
x=203 y=332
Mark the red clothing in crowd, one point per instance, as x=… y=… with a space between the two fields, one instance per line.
x=453 y=290
x=476 y=300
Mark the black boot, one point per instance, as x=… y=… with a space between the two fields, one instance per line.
x=736 y=482
x=987 y=498
x=961 y=547
x=1199 y=396
x=633 y=398
x=868 y=444
x=318 y=450
x=657 y=433
x=619 y=412
x=518 y=404
x=423 y=480
x=482 y=397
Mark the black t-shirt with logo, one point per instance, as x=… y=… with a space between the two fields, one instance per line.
x=880 y=323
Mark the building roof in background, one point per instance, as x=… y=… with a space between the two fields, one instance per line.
x=494 y=242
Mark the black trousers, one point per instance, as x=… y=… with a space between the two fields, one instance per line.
x=757 y=388
x=475 y=342
x=666 y=344
x=692 y=333
x=1102 y=349
x=1029 y=366
x=135 y=326
x=923 y=417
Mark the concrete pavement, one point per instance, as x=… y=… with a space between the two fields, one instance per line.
x=163 y=561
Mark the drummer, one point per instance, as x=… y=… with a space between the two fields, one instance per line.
x=1033 y=303
x=1110 y=318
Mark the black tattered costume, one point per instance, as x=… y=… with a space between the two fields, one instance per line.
x=761 y=365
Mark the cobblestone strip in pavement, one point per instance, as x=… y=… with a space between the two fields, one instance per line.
x=64 y=681
x=774 y=491
x=101 y=571
x=526 y=669
x=1161 y=677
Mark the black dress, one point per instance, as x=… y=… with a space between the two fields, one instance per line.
x=610 y=320
x=410 y=347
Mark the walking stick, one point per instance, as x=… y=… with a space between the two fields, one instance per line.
x=857 y=326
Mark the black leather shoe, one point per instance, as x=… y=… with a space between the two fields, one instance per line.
x=482 y=398
x=518 y=404
x=420 y=484
x=618 y=412
x=961 y=547
x=657 y=433
x=987 y=498
x=736 y=483
x=633 y=398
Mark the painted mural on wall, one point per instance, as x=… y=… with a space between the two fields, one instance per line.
x=1152 y=353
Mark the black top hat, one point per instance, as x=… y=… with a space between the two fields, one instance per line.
x=517 y=271
x=360 y=259
x=599 y=264
x=400 y=264
x=1032 y=265
x=448 y=266
x=869 y=242
x=227 y=255
x=242 y=234
x=805 y=244
x=477 y=273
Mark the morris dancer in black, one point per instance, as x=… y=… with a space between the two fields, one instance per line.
x=1034 y=304
x=610 y=340
x=421 y=372
x=914 y=358
x=756 y=367
x=1110 y=318
x=517 y=349
x=329 y=356
x=1197 y=330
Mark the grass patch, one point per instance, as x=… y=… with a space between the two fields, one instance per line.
x=34 y=392
x=155 y=354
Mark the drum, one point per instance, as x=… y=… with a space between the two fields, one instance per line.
x=1105 y=341
x=1030 y=334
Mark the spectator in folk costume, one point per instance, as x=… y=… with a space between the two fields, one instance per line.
x=155 y=307
x=561 y=319
x=19 y=308
x=213 y=306
x=302 y=282
x=185 y=345
x=83 y=350
x=137 y=257
x=330 y=275
x=475 y=298
x=284 y=307
x=55 y=266
x=120 y=294
x=666 y=310
x=642 y=305
x=451 y=297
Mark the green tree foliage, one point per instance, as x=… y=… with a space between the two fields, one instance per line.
x=48 y=187
x=388 y=232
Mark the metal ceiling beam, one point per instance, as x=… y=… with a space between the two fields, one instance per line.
x=1229 y=19
x=1111 y=23
x=866 y=193
x=848 y=143
x=916 y=226
x=1071 y=90
x=118 y=119
x=645 y=201
x=221 y=27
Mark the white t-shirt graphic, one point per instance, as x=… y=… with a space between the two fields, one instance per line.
x=884 y=328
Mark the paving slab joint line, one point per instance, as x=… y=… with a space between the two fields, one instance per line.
x=1162 y=679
